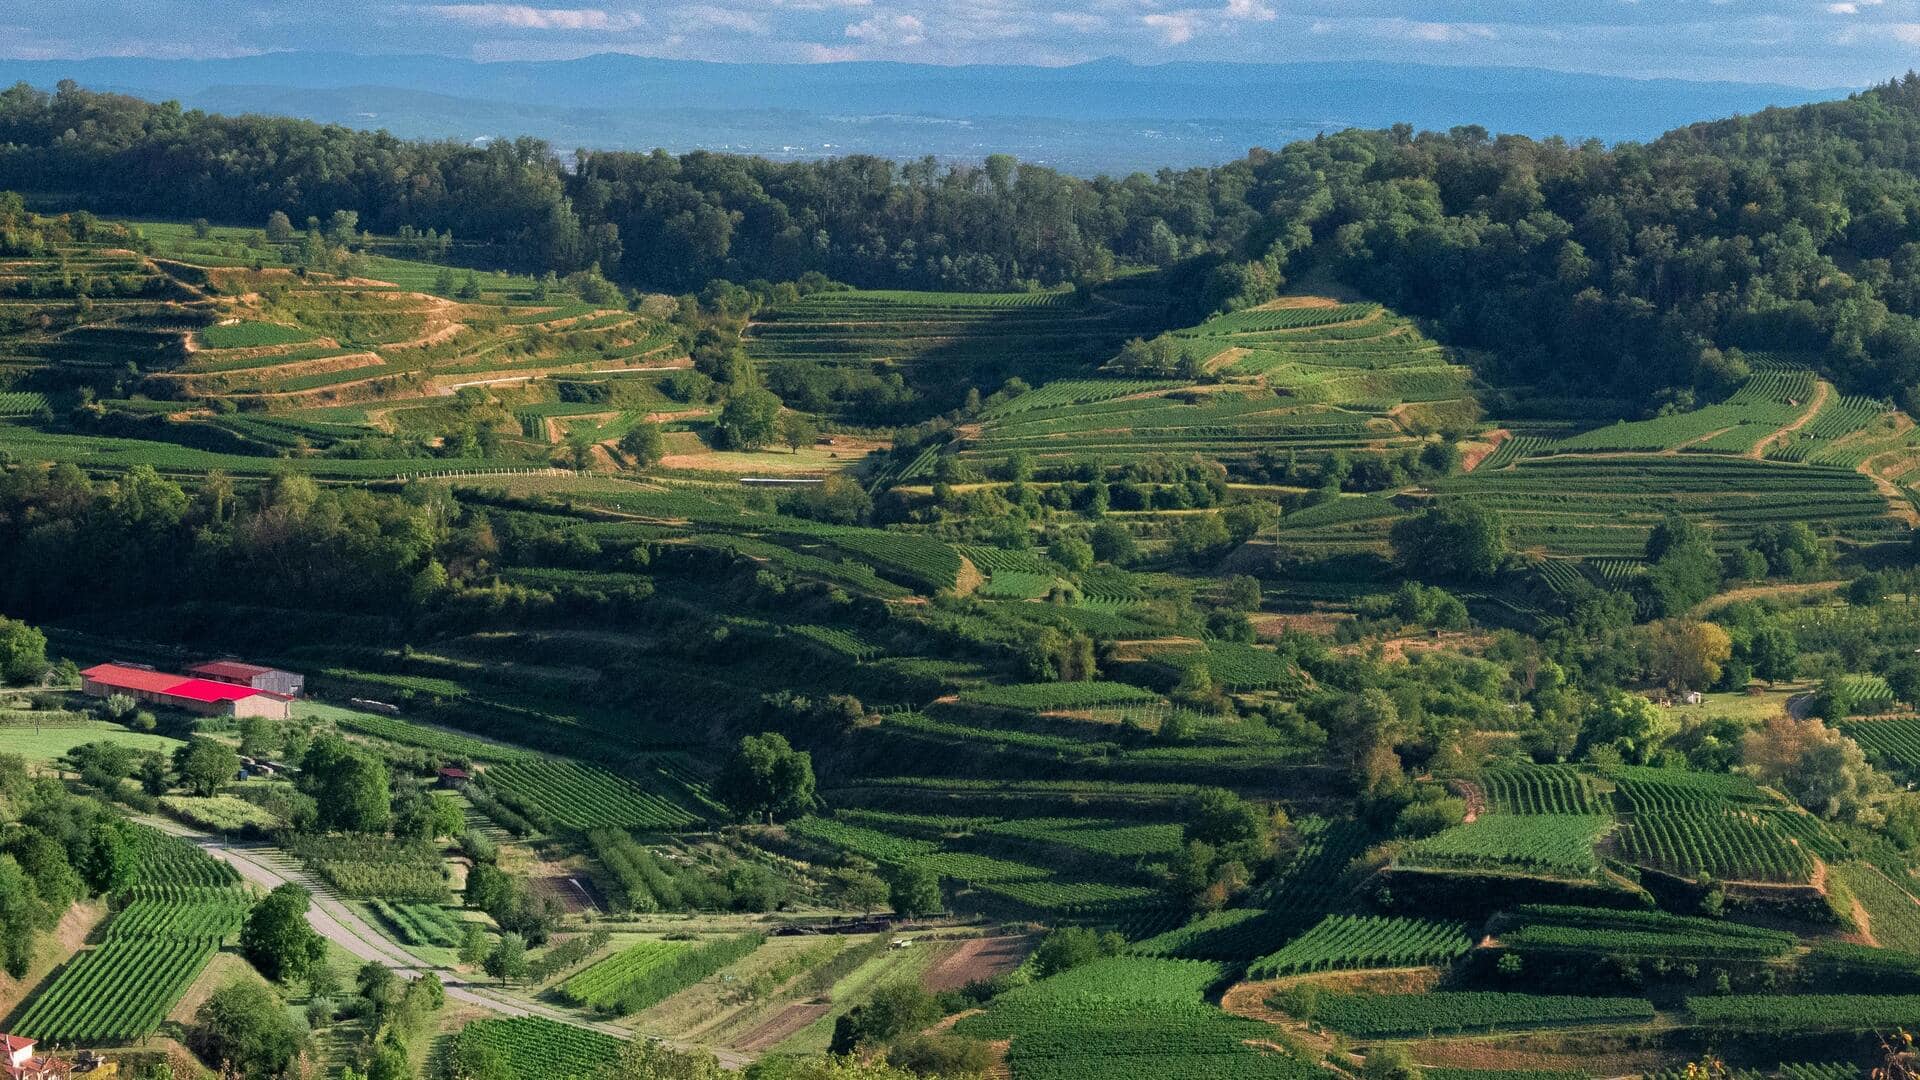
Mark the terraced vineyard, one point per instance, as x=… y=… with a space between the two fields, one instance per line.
x=1724 y=843
x=1365 y=941
x=989 y=337
x=184 y=904
x=1130 y=1019
x=583 y=797
x=1762 y=405
x=1557 y=929
x=1446 y=1012
x=1545 y=843
x=652 y=971
x=116 y=992
x=1540 y=789
x=530 y=1046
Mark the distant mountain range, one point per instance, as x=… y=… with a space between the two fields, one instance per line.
x=1106 y=116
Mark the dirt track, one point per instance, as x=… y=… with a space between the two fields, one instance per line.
x=340 y=924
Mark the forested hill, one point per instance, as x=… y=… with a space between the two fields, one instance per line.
x=1635 y=271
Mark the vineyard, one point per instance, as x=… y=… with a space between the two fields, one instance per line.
x=363 y=868
x=175 y=917
x=1806 y=1012
x=1128 y=1019
x=419 y=924
x=1462 y=1011
x=1893 y=742
x=530 y=1046
x=648 y=973
x=1365 y=941
x=583 y=797
x=117 y=991
x=1066 y=695
x=1538 y=789
x=1544 y=843
x=1547 y=928
x=21 y=403
x=1723 y=843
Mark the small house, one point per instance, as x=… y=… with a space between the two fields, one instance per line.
x=1691 y=697
x=451 y=777
x=22 y=1063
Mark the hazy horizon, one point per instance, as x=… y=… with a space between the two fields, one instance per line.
x=1823 y=44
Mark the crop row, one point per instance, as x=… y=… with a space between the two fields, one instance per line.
x=1807 y=1012
x=215 y=917
x=21 y=403
x=116 y=992
x=420 y=924
x=1723 y=843
x=532 y=1046
x=1538 y=789
x=363 y=868
x=1896 y=741
x=583 y=796
x=1063 y=695
x=1365 y=941
x=1548 y=843
x=1456 y=1011
x=651 y=972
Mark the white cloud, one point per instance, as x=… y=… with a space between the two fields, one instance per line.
x=525 y=17
x=1176 y=28
x=889 y=30
x=1252 y=10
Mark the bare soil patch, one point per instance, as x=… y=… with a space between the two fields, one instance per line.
x=974 y=960
x=1473 y=453
x=784 y=1023
x=574 y=892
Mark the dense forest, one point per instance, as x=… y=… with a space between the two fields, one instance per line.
x=1625 y=270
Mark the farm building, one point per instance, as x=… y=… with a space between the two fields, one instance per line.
x=272 y=680
x=203 y=696
x=23 y=1064
x=451 y=777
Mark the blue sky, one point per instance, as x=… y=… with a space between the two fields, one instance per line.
x=1806 y=42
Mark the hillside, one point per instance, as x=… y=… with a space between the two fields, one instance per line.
x=1443 y=646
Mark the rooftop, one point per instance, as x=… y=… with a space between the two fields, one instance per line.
x=229 y=669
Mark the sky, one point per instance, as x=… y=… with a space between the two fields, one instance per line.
x=1817 y=43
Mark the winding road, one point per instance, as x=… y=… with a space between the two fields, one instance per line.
x=263 y=865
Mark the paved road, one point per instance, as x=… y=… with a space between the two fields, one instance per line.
x=339 y=923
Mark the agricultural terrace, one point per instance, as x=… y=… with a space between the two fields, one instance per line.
x=981 y=338
x=1054 y=737
x=184 y=905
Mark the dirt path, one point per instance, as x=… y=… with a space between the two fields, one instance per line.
x=1822 y=389
x=1761 y=592
x=338 y=923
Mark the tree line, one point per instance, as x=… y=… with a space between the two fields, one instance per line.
x=1635 y=271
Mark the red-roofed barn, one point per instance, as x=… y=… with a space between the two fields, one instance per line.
x=272 y=680
x=207 y=697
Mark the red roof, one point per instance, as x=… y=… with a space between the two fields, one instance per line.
x=229 y=669
x=452 y=773
x=208 y=690
x=154 y=682
x=127 y=678
x=10 y=1043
